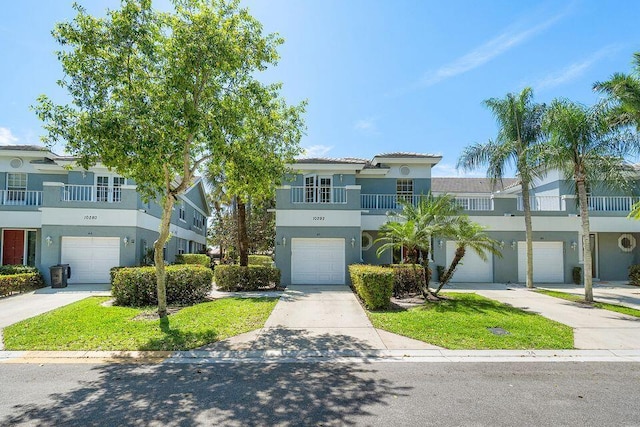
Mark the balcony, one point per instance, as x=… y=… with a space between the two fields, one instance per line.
x=544 y=203
x=612 y=203
x=20 y=198
x=91 y=193
x=395 y=202
x=319 y=195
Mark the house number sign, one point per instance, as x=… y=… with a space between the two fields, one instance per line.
x=90 y=217
x=318 y=218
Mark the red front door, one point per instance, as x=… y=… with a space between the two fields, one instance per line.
x=12 y=247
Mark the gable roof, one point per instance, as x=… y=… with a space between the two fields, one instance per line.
x=470 y=185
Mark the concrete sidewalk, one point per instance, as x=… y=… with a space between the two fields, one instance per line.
x=318 y=318
x=610 y=292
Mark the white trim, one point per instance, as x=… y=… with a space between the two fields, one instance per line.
x=190 y=203
x=318 y=218
x=21 y=219
x=366 y=247
x=630 y=238
x=339 y=168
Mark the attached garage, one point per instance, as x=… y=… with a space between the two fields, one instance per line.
x=548 y=262
x=90 y=258
x=472 y=269
x=317 y=261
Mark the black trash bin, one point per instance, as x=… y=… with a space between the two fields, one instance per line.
x=59 y=275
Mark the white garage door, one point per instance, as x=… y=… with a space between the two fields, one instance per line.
x=317 y=261
x=548 y=262
x=472 y=269
x=90 y=258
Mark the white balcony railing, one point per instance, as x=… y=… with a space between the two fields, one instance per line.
x=393 y=201
x=543 y=203
x=21 y=197
x=612 y=203
x=91 y=193
x=321 y=195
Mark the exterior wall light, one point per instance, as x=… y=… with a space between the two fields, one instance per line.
x=501 y=244
x=440 y=243
x=49 y=240
x=125 y=240
x=514 y=245
x=284 y=241
x=574 y=245
x=353 y=242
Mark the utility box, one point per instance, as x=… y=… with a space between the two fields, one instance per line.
x=60 y=273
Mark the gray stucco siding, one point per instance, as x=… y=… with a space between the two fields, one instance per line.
x=613 y=263
x=369 y=256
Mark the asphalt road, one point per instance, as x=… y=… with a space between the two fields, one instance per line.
x=378 y=394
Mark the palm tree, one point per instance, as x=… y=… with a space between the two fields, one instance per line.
x=623 y=93
x=583 y=145
x=468 y=234
x=413 y=227
x=519 y=120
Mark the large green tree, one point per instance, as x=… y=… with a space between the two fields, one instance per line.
x=157 y=95
x=623 y=96
x=584 y=146
x=519 y=132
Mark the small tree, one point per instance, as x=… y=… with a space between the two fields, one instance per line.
x=468 y=234
x=156 y=95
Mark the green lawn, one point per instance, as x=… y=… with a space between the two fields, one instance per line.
x=87 y=325
x=462 y=322
x=580 y=298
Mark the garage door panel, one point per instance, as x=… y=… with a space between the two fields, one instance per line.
x=317 y=261
x=548 y=262
x=472 y=268
x=90 y=258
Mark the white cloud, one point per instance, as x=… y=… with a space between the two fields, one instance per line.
x=574 y=70
x=317 y=150
x=486 y=52
x=6 y=137
x=368 y=125
x=449 y=170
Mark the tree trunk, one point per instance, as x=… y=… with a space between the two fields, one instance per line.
x=158 y=246
x=243 y=238
x=460 y=251
x=586 y=242
x=427 y=273
x=526 y=206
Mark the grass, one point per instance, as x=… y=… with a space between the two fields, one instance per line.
x=87 y=325
x=578 y=298
x=462 y=322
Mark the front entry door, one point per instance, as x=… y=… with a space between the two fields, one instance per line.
x=13 y=247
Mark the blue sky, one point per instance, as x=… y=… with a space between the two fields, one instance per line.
x=379 y=76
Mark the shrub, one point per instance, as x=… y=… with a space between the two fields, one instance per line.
x=17 y=269
x=373 y=284
x=634 y=274
x=199 y=259
x=263 y=260
x=440 y=270
x=407 y=279
x=20 y=282
x=251 y=278
x=136 y=286
x=576 y=273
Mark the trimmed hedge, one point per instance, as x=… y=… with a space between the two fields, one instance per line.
x=21 y=282
x=634 y=274
x=17 y=269
x=373 y=284
x=198 y=259
x=136 y=286
x=251 y=278
x=408 y=279
x=263 y=260
x=576 y=275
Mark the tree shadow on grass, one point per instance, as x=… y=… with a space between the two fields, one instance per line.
x=214 y=394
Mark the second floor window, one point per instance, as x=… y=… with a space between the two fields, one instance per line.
x=317 y=189
x=404 y=190
x=181 y=212
x=16 y=186
x=109 y=188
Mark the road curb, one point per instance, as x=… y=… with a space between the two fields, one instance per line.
x=319 y=356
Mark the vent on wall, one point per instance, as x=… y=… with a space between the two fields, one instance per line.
x=16 y=163
x=404 y=170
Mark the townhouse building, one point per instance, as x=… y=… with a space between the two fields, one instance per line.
x=53 y=211
x=329 y=213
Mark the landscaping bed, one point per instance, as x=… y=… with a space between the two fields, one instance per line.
x=92 y=325
x=467 y=321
